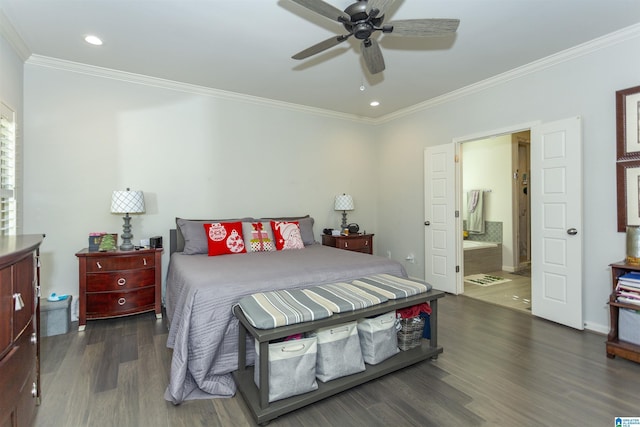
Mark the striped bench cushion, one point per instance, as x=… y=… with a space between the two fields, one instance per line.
x=344 y=297
x=392 y=287
x=266 y=310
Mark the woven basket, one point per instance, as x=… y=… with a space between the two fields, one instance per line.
x=410 y=334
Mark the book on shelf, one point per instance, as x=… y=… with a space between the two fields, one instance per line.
x=627 y=294
x=626 y=287
x=629 y=283
x=629 y=300
x=631 y=276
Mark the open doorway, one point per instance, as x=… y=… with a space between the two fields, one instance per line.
x=495 y=210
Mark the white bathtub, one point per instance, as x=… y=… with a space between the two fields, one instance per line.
x=481 y=257
x=469 y=245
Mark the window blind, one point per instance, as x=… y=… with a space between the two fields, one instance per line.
x=7 y=171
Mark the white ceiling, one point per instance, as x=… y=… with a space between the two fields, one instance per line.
x=245 y=46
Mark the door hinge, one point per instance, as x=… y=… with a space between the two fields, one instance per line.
x=457 y=269
x=457 y=214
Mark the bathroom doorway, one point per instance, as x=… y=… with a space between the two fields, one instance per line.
x=495 y=175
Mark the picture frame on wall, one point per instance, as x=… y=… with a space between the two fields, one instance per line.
x=628 y=193
x=628 y=123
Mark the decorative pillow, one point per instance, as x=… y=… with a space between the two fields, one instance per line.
x=258 y=237
x=224 y=238
x=287 y=235
x=306 y=227
x=194 y=239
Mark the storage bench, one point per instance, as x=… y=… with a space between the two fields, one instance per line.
x=257 y=397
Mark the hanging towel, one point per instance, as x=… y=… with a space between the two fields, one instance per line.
x=475 y=220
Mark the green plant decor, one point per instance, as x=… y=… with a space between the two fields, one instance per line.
x=107 y=243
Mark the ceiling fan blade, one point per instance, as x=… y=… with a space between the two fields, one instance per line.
x=319 y=47
x=424 y=27
x=372 y=56
x=381 y=5
x=324 y=9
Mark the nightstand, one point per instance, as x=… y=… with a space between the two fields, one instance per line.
x=354 y=242
x=119 y=283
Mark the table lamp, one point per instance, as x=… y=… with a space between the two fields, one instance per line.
x=127 y=202
x=344 y=203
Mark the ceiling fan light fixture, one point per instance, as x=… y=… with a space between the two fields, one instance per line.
x=362 y=19
x=94 y=40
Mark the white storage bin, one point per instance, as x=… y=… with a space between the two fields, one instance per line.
x=292 y=368
x=378 y=337
x=629 y=326
x=339 y=351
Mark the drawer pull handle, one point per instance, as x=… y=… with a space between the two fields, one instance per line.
x=366 y=243
x=34 y=390
x=34 y=338
x=144 y=261
x=19 y=303
x=122 y=281
x=122 y=301
x=98 y=264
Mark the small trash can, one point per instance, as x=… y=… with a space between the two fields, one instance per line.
x=55 y=317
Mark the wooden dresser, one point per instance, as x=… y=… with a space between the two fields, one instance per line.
x=19 y=329
x=354 y=242
x=119 y=283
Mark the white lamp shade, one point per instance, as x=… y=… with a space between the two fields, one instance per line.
x=127 y=202
x=344 y=202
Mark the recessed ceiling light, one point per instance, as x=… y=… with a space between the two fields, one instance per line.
x=374 y=103
x=94 y=40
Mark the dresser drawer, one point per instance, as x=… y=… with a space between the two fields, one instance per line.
x=18 y=366
x=120 y=280
x=353 y=243
x=115 y=263
x=107 y=304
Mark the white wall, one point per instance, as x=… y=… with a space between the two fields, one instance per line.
x=582 y=85
x=486 y=165
x=193 y=155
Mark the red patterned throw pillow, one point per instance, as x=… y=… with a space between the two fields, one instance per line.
x=287 y=235
x=224 y=238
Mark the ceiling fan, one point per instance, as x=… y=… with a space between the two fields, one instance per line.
x=364 y=17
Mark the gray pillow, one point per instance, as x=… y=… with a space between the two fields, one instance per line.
x=195 y=238
x=306 y=227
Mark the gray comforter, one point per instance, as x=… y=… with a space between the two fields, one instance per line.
x=201 y=291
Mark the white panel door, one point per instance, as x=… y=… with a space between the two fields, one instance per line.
x=556 y=222
x=439 y=217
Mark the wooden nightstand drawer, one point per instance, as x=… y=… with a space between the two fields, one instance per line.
x=108 y=304
x=120 y=280
x=111 y=263
x=356 y=243
x=353 y=243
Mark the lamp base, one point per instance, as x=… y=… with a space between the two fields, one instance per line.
x=126 y=235
x=344 y=220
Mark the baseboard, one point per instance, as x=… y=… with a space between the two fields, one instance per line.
x=596 y=327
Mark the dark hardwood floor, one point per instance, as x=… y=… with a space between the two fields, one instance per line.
x=500 y=367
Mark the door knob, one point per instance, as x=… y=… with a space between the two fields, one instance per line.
x=427 y=223
x=572 y=232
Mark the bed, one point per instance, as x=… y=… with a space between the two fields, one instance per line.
x=201 y=291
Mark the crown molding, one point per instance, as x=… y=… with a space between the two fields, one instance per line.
x=108 y=73
x=9 y=32
x=586 y=48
